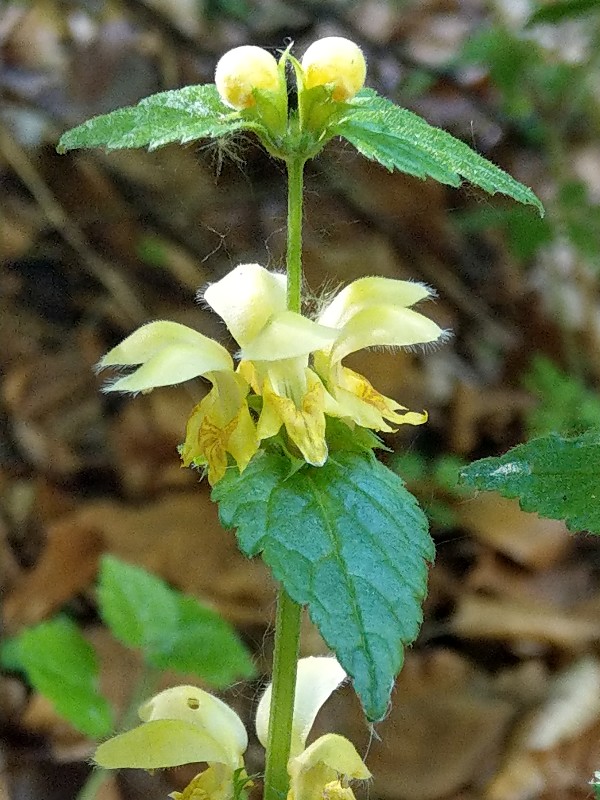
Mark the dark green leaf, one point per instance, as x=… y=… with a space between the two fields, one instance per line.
x=62 y=665
x=173 y=630
x=350 y=542
x=555 y=476
x=562 y=10
x=399 y=139
x=179 y=115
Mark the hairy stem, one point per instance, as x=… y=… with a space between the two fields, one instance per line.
x=295 y=167
x=287 y=624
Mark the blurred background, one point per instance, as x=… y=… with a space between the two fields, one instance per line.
x=500 y=697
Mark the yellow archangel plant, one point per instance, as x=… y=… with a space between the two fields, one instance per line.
x=339 y=530
x=186 y=725
x=291 y=363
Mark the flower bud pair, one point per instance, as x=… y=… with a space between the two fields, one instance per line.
x=333 y=61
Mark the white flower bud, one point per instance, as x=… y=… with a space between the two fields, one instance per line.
x=336 y=61
x=242 y=70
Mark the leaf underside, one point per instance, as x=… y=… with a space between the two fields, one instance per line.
x=348 y=541
x=399 y=139
x=178 y=115
x=555 y=476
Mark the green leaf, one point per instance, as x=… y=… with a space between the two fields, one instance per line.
x=179 y=115
x=399 y=139
x=173 y=630
x=62 y=665
x=563 y=10
x=202 y=643
x=566 y=405
x=555 y=476
x=350 y=542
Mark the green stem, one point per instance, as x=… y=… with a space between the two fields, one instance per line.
x=287 y=624
x=285 y=661
x=295 y=166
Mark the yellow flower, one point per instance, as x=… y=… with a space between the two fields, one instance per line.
x=183 y=725
x=371 y=312
x=242 y=70
x=335 y=62
x=322 y=770
x=170 y=353
x=275 y=348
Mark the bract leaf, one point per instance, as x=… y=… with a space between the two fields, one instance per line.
x=347 y=540
x=399 y=139
x=62 y=665
x=178 y=115
x=174 y=630
x=553 y=475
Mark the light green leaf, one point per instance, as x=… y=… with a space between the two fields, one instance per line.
x=62 y=665
x=350 y=542
x=179 y=115
x=399 y=139
x=555 y=476
x=202 y=643
x=174 y=630
x=137 y=606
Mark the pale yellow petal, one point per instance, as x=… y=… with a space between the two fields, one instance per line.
x=318 y=677
x=337 y=753
x=384 y=325
x=207 y=712
x=369 y=291
x=288 y=335
x=246 y=299
x=174 y=364
x=150 y=339
x=305 y=425
x=243 y=442
x=161 y=743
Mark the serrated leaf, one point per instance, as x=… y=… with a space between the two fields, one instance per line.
x=178 y=115
x=173 y=630
x=62 y=665
x=399 y=139
x=555 y=476
x=348 y=541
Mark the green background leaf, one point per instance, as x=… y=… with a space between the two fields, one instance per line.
x=62 y=665
x=350 y=542
x=555 y=476
x=179 y=115
x=173 y=630
x=399 y=139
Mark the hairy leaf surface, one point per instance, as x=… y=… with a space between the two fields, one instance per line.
x=553 y=475
x=179 y=115
x=399 y=139
x=348 y=541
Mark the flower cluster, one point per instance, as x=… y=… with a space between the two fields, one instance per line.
x=289 y=374
x=185 y=725
x=333 y=62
